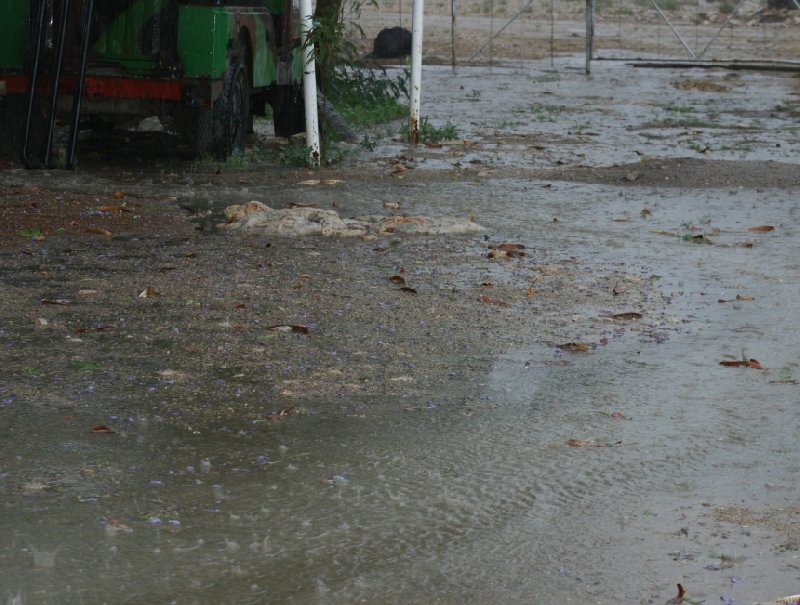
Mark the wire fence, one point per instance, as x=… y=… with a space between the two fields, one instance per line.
x=465 y=31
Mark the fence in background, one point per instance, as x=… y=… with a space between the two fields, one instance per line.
x=665 y=30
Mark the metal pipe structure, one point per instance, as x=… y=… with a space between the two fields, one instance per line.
x=501 y=30
x=416 y=69
x=589 y=35
x=34 y=73
x=78 y=97
x=51 y=123
x=672 y=29
x=310 y=85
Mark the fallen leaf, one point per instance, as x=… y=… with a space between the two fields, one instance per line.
x=101 y=428
x=508 y=247
x=742 y=297
x=619 y=290
x=239 y=306
x=529 y=291
x=742 y=363
x=100 y=231
x=119 y=195
x=591 y=443
x=309 y=182
x=391 y=205
x=330 y=181
x=628 y=315
x=579 y=347
x=282 y=414
x=116 y=208
x=149 y=292
x=408 y=290
x=399 y=168
x=487 y=283
x=762 y=228
x=493 y=301
x=398 y=279
x=289 y=328
x=167 y=269
x=58 y=301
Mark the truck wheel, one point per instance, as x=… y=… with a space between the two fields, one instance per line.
x=12 y=118
x=232 y=112
x=289 y=112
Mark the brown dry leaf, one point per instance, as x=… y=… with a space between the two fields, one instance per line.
x=289 y=328
x=100 y=231
x=398 y=279
x=762 y=228
x=330 y=181
x=580 y=442
x=167 y=268
x=101 y=428
x=408 y=290
x=282 y=414
x=119 y=195
x=529 y=291
x=743 y=297
x=628 y=315
x=309 y=182
x=149 y=292
x=493 y=301
x=58 y=301
x=508 y=247
x=742 y=363
x=487 y=283
x=577 y=347
x=117 y=208
x=591 y=443
x=399 y=168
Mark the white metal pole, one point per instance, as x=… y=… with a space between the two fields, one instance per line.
x=310 y=85
x=416 y=69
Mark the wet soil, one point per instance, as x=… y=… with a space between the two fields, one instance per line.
x=191 y=416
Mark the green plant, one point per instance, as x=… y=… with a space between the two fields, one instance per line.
x=362 y=96
x=431 y=134
x=679 y=108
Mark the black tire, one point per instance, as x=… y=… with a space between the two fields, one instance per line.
x=289 y=111
x=12 y=120
x=232 y=112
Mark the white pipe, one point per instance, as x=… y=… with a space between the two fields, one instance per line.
x=310 y=85
x=416 y=69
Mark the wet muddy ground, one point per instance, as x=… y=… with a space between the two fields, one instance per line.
x=192 y=416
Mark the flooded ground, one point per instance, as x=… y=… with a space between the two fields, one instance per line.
x=192 y=416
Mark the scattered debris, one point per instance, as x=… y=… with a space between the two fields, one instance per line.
x=591 y=443
x=742 y=363
x=259 y=219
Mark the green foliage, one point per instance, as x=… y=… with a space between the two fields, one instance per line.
x=362 y=96
x=431 y=134
x=365 y=97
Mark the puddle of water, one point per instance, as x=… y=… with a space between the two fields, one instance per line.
x=449 y=498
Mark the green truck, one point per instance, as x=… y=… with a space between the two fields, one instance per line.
x=204 y=67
